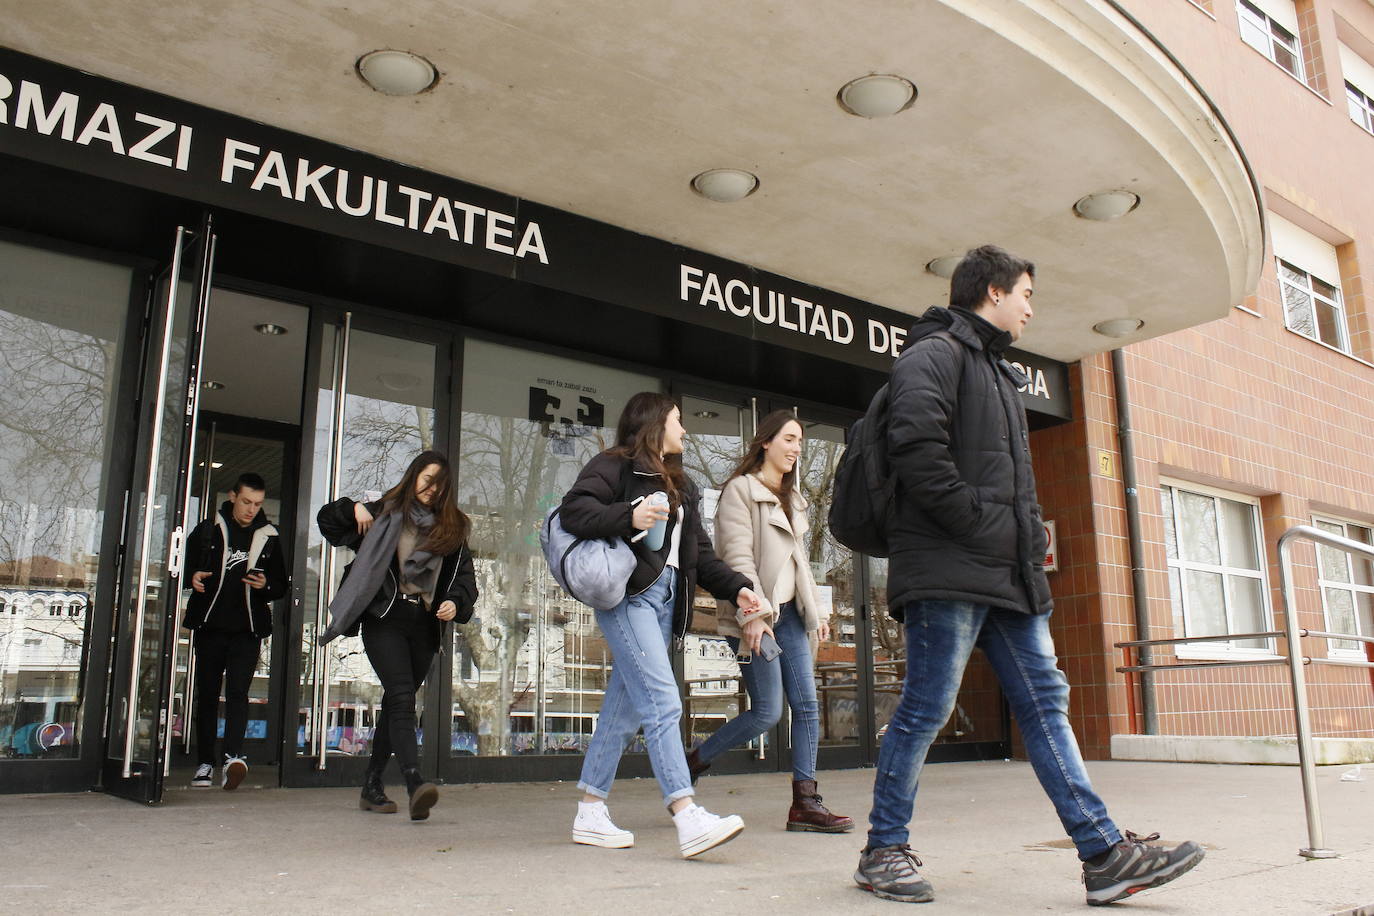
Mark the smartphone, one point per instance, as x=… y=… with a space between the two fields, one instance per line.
x=768 y=648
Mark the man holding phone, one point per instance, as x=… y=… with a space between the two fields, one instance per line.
x=239 y=570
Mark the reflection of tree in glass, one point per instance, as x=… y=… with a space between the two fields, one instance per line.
x=380 y=439
x=53 y=384
x=708 y=460
x=511 y=474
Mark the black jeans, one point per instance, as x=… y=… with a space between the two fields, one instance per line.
x=228 y=659
x=401 y=647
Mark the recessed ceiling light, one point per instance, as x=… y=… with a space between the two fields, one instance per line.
x=209 y=385
x=725 y=185
x=879 y=95
x=397 y=72
x=271 y=330
x=944 y=267
x=1106 y=205
x=706 y=414
x=1118 y=327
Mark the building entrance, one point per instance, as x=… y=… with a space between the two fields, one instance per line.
x=319 y=401
x=207 y=377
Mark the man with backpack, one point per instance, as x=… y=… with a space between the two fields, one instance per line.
x=966 y=547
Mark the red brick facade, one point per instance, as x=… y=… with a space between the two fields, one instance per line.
x=1243 y=405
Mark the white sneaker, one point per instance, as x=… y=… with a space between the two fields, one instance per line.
x=593 y=827
x=235 y=769
x=204 y=778
x=699 y=830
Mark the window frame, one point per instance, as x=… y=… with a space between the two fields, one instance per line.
x=1219 y=649
x=1350 y=585
x=1356 y=98
x=1342 y=324
x=1274 y=32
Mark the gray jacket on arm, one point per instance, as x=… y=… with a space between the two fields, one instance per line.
x=967 y=526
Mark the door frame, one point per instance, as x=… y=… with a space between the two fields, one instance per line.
x=864 y=751
x=289 y=436
x=751 y=758
x=303 y=770
x=146 y=785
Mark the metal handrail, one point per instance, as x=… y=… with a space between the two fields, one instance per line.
x=1296 y=662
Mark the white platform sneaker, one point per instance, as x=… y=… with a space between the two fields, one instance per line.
x=699 y=830
x=593 y=827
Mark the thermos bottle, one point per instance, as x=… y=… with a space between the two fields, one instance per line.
x=655 y=536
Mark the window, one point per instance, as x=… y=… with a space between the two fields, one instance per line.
x=530 y=421
x=1359 y=85
x=62 y=321
x=1361 y=108
x=1216 y=570
x=1312 y=307
x=1265 y=33
x=1347 y=584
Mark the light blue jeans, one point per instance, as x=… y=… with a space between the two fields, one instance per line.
x=766 y=682
x=940 y=636
x=642 y=692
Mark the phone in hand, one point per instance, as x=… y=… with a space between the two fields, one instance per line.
x=768 y=649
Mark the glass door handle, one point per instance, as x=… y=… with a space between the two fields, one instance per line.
x=149 y=508
x=321 y=694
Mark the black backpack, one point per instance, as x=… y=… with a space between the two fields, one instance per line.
x=865 y=489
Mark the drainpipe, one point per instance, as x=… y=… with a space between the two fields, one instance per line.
x=1139 y=595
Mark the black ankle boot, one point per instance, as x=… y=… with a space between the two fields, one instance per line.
x=374 y=795
x=423 y=794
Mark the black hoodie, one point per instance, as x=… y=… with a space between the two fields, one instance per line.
x=968 y=525
x=227 y=602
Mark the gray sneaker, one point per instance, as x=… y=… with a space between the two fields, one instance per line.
x=890 y=872
x=1132 y=866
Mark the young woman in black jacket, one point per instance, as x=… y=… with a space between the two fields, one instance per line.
x=609 y=501
x=412 y=575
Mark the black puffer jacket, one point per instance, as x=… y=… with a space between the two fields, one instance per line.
x=595 y=507
x=968 y=523
x=456 y=582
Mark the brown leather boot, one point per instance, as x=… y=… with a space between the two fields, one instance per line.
x=695 y=766
x=807 y=813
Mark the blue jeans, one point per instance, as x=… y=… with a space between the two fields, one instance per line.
x=792 y=673
x=642 y=691
x=940 y=636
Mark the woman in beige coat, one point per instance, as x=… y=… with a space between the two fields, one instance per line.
x=760 y=532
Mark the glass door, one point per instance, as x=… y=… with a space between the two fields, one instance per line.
x=719 y=428
x=136 y=750
x=528 y=673
x=840 y=681
x=379 y=399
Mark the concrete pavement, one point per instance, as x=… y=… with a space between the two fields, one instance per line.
x=987 y=835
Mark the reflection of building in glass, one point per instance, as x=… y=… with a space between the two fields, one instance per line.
x=42 y=635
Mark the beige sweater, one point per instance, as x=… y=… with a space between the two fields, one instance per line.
x=754 y=538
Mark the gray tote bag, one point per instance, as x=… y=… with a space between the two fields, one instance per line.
x=595 y=571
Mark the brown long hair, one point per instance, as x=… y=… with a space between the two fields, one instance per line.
x=451 y=524
x=639 y=437
x=769 y=427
